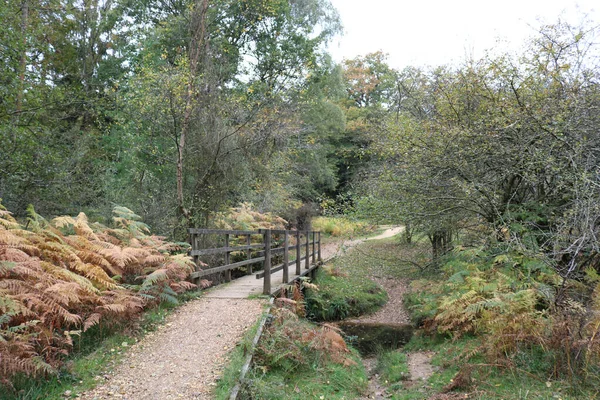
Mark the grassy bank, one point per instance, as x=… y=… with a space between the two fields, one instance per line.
x=342 y=227
x=297 y=359
x=341 y=295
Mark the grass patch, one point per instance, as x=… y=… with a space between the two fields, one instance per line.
x=341 y=226
x=237 y=357
x=392 y=366
x=342 y=296
x=481 y=380
x=345 y=289
x=94 y=352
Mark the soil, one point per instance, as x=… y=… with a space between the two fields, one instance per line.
x=377 y=391
x=330 y=250
x=419 y=365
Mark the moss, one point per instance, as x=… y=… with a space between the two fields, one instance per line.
x=340 y=297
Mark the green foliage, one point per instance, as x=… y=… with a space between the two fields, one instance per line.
x=509 y=301
x=342 y=295
x=392 y=366
x=245 y=217
x=503 y=141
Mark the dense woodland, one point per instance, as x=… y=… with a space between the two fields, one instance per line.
x=180 y=110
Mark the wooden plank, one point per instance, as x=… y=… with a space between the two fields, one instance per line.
x=228 y=259
x=220 y=250
x=298 y=254
x=197 y=231
x=249 y=251
x=222 y=268
x=307 y=261
x=313 y=247
x=283 y=231
x=274 y=269
x=277 y=250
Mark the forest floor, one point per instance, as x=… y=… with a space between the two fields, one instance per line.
x=185 y=357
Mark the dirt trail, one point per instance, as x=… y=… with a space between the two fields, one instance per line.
x=330 y=250
x=388 y=233
x=393 y=312
x=185 y=357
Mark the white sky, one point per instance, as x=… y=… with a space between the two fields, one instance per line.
x=436 y=32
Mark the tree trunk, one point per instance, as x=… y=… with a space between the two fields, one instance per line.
x=441 y=241
x=23 y=60
x=197 y=48
x=408 y=233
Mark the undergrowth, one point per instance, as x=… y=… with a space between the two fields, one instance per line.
x=518 y=339
x=61 y=278
x=341 y=226
x=296 y=359
x=92 y=354
x=345 y=289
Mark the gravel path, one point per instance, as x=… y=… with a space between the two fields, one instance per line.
x=185 y=357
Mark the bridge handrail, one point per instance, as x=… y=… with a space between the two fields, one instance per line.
x=265 y=255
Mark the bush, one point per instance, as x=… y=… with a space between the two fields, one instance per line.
x=509 y=301
x=297 y=360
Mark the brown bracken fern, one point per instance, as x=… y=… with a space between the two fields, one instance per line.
x=59 y=278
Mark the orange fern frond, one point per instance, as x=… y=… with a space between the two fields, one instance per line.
x=93 y=319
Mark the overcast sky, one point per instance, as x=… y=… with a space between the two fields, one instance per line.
x=435 y=32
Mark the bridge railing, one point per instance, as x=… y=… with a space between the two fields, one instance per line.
x=270 y=246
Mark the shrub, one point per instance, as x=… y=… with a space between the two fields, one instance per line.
x=509 y=301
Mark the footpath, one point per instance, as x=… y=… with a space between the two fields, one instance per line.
x=184 y=358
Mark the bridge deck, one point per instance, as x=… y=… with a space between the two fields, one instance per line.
x=248 y=285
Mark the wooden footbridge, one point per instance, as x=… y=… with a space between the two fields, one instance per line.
x=279 y=256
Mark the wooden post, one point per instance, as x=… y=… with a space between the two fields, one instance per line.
x=313 y=249
x=227 y=259
x=249 y=253
x=286 y=257
x=267 y=263
x=307 y=261
x=320 y=259
x=194 y=247
x=298 y=253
